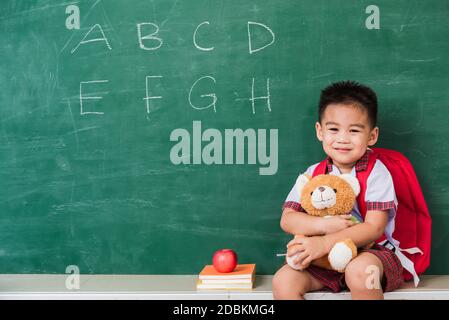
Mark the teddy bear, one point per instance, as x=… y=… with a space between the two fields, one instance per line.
x=326 y=196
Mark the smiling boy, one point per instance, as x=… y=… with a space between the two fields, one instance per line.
x=346 y=128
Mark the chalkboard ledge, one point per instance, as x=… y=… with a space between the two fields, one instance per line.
x=174 y=287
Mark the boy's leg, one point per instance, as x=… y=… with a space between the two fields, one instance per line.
x=363 y=276
x=290 y=284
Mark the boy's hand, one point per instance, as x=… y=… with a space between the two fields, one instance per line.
x=308 y=248
x=336 y=223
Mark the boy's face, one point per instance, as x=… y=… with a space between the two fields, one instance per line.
x=346 y=133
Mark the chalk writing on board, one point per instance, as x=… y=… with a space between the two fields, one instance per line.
x=147 y=91
x=267 y=97
x=88 y=97
x=150 y=37
x=211 y=95
x=194 y=38
x=149 y=40
x=83 y=41
x=251 y=25
x=149 y=79
x=152 y=30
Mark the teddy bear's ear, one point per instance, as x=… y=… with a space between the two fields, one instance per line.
x=301 y=182
x=353 y=182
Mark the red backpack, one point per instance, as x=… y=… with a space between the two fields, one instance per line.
x=412 y=221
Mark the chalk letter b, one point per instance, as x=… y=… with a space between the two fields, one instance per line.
x=148 y=37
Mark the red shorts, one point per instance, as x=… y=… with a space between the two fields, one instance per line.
x=392 y=277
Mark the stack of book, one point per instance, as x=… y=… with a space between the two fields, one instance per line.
x=242 y=278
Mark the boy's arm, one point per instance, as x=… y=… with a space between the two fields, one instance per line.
x=296 y=223
x=363 y=233
x=311 y=248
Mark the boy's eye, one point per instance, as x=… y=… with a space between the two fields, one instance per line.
x=333 y=129
x=355 y=131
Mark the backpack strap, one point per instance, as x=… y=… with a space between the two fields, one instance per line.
x=362 y=176
x=321 y=168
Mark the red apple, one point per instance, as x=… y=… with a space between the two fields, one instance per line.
x=224 y=260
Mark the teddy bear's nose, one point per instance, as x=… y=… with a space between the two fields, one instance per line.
x=321 y=189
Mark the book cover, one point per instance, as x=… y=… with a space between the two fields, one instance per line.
x=242 y=271
x=223 y=286
x=212 y=281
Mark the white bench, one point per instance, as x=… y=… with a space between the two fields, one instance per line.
x=174 y=287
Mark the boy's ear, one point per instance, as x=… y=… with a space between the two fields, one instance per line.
x=319 y=131
x=373 y=136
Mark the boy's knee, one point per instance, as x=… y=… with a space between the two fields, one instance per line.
x=280 y=287
x=363 y=275
x=284 y=289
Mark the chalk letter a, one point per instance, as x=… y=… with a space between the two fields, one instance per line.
x=103 y=38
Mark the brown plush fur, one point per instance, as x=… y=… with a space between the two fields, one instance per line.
x=345 y=196
x=344 y=203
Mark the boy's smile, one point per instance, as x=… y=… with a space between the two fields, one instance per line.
x=346 y=133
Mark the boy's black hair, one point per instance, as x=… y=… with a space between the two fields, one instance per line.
x=349 y=92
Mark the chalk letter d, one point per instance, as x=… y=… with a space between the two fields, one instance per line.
x=251 y=49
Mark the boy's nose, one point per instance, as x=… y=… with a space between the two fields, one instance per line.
x=343 y=139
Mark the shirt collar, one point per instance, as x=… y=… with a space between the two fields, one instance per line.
x=360 y=165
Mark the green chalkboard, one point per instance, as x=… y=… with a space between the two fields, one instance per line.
x=153 y=133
